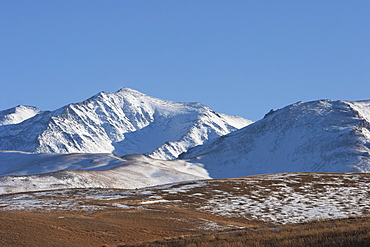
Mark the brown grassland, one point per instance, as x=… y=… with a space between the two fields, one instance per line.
x=344 y=232
x=171 y=216
x=157 y=229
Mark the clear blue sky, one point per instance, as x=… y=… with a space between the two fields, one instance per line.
x=238 y=57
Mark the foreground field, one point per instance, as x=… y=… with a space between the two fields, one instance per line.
x=345 y=232
x=266 y=210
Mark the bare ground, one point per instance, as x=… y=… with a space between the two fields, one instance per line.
x=110 y=228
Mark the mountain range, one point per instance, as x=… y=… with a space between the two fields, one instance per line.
x=124 y=122
x=127 y=139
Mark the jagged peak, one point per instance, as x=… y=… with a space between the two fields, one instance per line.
x=129 y=90
x=129 y=94
x=123 y=92
x=134 y=97
x=133 y=92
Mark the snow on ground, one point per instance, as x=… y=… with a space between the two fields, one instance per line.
x=286 y=204
x=129 y=172
x=24 y=163
x=277 y=198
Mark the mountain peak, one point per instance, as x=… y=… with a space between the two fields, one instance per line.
x=315 y=136
x=129 y=90
x=17 y=114
x=123 y=122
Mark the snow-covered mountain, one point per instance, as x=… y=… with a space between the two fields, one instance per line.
x=17 y=114
x=59 y=171
x=124 y=122
x=317 y=136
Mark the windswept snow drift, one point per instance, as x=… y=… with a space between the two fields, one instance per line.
x=124 y=122
x=99 y=171
x=317 y=136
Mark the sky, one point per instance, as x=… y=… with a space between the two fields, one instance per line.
x=239 y=57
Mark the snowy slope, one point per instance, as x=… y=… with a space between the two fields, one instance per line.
x=90 y=171
x=124 y=122
x=17 y=114
x=318 y=136
x=22 y=163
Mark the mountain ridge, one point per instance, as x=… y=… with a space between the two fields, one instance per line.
x=316 y=136
x=123 y=122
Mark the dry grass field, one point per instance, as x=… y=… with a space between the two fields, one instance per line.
x=300 y=209
x=345 y=232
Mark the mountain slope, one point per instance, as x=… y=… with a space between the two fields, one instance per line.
x=122 y=123
x=318 y=136
x=22 y=163
x=34 y=172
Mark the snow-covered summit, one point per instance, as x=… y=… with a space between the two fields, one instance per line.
x=124 y=122
x=17 y=114
x=317 y=136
